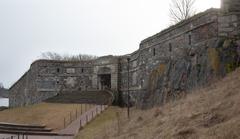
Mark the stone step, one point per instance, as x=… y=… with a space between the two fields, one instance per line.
x=25 y=129
x=92 y=97
x=21 y=125
x=33 y=133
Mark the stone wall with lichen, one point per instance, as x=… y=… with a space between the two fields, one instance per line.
x=61 y=76
x=24 y=92
x=183 y=57
x=163 y=61
x=229 y=21
x=229 y=6
x=47 y=78
x=166 y=66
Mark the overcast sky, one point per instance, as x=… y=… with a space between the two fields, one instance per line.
x=98 y=27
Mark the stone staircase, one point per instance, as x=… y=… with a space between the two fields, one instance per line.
x=23 y=129
x=86 y=97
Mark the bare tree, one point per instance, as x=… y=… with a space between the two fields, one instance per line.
x=181 y=10
x=56 y=56
x=51 y=56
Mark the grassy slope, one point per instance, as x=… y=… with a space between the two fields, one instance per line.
x=104 y=121
x=49 y=114
x=212 y=112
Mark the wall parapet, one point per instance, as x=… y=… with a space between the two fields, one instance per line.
x=181 y=24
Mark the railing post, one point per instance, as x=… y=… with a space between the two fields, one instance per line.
x=80 y=124
x=64 y=122
x=81 y=109
x=76 y=113
x=92 y=114
x=96 y=110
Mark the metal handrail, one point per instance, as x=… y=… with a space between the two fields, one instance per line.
x=109 y=91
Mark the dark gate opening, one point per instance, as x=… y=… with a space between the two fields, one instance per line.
x=105 y=81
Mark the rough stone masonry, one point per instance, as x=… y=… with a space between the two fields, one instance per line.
x=167 y=65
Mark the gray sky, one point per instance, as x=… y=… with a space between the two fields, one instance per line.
x=98 y=27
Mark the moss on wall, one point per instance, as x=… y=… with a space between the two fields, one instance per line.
x=214 y=59
x=229 y=67
x=161 y=69
x=155 y=75
x=231 y=55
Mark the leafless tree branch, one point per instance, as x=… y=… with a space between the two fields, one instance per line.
x=56 y=56
x=181 y=10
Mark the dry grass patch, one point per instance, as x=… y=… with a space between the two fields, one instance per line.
x=50 y=114
x=101 y=125
x=212 y=112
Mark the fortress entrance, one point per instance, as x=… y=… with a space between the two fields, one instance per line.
x=104 y=81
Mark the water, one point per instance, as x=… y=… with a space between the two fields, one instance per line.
x=4 y=102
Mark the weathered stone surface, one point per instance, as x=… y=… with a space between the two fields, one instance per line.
x=166 y=66
x=230 y=6
x=47 y=78
x=3 y=93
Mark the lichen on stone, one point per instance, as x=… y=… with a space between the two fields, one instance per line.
x=213 y=56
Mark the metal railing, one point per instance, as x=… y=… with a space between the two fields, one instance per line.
x=82 y=116
x=91 y=114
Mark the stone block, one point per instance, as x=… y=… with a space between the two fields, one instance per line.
x=230 y=29
x=235 y=25
x=70 y=70
x=223 y=34
x=234 y=18
x=224 y=25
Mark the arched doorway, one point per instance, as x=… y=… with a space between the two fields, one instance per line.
x=104 y=78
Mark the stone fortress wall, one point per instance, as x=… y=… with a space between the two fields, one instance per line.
x=168 y=51
x=187 y=55
x=166 y=65
x=47 y=78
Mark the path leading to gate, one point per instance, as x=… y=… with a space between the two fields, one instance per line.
x=73 y=128
x=88 y=116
